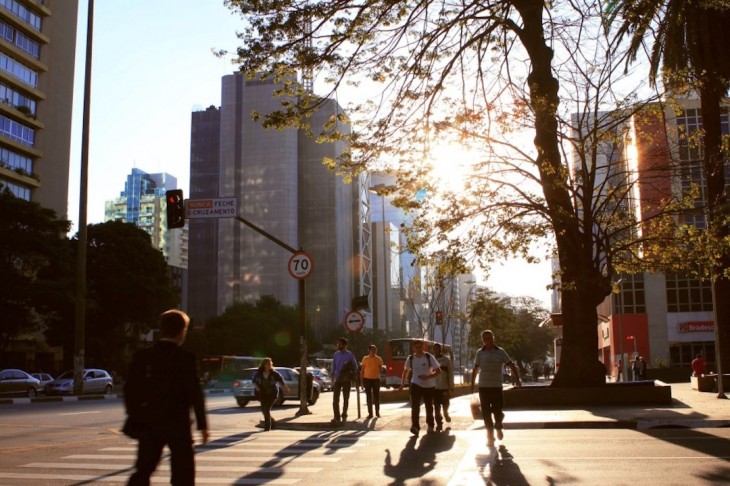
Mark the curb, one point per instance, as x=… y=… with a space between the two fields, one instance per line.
x=73 y=398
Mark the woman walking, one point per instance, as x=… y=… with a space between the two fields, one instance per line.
x=268 y=383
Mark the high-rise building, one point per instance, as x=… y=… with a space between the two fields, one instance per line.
x=37 y=53
x=282 y=187
x=142 y=202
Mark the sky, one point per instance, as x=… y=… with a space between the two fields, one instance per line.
x=152 y=67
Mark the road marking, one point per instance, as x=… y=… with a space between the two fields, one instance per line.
x=154 y=479
x=80 y=413
x=209 y=457
x=164 y=467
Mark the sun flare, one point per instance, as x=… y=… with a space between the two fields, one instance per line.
x=452 y=164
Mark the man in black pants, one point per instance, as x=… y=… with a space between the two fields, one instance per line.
x=162 y=386
x=489 y=362
x=422 y=369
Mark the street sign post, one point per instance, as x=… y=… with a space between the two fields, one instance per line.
x=300 y=265
x=226 y=207
x=354 y=321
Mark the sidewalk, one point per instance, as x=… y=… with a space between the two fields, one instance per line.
x=689 y=409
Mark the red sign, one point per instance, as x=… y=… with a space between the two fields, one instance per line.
x=696 y=326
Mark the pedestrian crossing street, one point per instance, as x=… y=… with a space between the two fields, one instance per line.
x=275 y=458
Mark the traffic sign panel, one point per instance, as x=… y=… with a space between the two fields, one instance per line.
x=354 y=321
x=226 y=207
x=300 y=265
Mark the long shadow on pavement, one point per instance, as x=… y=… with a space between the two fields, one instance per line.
x=417 y=458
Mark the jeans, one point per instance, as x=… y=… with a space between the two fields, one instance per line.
x=418 y=393
x=341 y=386
x=372 y=394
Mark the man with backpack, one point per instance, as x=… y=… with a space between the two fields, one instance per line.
x=489 y=362
x=422 y=369
x=344 y=368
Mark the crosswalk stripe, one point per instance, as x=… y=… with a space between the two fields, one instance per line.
x=164 y=467
x=211 y=458
x=154 y=479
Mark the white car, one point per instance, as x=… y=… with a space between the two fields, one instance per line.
x=244 y=390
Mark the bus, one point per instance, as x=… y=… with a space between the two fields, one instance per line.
x=396 y=353
x=221 y=371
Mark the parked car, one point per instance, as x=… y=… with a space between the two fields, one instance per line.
x=18 y=382
x=44 y=378
x=95 y=381
x=321 y=376
x=243 y=387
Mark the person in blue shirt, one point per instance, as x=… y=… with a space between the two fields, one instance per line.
x=344 y=371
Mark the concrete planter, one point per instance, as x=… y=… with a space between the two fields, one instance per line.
x=628 y=393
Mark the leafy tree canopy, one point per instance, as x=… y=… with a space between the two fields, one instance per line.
x=516 y=326
x=32 y=241
x=264 y=328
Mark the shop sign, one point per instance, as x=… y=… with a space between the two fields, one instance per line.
x=696 y=326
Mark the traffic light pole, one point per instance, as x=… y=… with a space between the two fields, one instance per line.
x=303 y=408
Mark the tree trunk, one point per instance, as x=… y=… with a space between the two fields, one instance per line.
x=711 y=95
x=581 y=282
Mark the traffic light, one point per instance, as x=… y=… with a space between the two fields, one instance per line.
x=439 y=318
x=175 y=209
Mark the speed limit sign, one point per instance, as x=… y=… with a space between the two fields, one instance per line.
x=300 y=265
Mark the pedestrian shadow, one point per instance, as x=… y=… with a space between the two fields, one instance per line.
x=328 y=443
x=498 y=468
x=417 y=458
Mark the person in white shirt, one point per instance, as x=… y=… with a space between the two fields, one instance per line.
x=489 y=362
x=422 y=369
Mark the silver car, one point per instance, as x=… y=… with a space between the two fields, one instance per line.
x=44 y=378
x=244 y=390
x=18 y=382
x=95 y=381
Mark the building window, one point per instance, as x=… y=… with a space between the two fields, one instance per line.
x=17 y=100
x=13 y=161
x=20 y=40
x=691 y=156
x=21 y=192
x=22 y=12
x=17 y=131
x=688 y=294
x=632 y=297
x=18 y=70
x=682 y=354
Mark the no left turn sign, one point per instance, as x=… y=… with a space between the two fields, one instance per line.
x=354 y=321
x=300 y=265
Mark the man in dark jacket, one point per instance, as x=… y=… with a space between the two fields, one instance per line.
x=161 y=388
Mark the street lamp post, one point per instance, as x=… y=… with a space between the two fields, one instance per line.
x=622 y=376
x=379 y=190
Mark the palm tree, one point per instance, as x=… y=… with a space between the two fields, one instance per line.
x=690 y=39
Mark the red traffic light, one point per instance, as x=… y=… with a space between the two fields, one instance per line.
x=175 y=209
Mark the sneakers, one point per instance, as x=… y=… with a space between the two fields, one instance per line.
x=414 y=431
x=377 y=414
x=500 y=434
x=447 y=416
x=370 y=415
x=335 y=421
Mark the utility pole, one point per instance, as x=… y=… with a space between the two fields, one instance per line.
x=80 y=312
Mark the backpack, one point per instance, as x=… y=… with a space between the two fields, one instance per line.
x=347 y=373
x=410 y=358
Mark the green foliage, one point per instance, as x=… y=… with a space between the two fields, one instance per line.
x=515 y=323
x=32 y=242
x=264 y=328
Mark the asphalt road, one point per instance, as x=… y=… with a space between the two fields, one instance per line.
x=77 y=443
